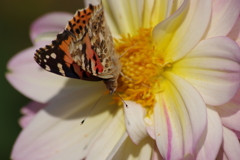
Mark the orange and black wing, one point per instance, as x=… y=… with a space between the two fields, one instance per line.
x=56 y=58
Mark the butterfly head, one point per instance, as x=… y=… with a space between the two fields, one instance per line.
x=111 y=84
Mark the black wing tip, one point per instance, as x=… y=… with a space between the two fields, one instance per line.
x=91 y=7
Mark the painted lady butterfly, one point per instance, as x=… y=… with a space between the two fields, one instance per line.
x=84 y=50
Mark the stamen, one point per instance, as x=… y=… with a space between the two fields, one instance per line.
x=142 y=66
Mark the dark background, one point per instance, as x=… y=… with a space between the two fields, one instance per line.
x=16 y=17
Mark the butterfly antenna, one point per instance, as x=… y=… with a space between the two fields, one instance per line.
x=121 y=99
x=92 y=109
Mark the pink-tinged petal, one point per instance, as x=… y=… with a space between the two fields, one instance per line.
x=191 y=20
x=130 y=151
x=136 y=127
x=24 y=57
x=237 y=134
x=230 y=146
x=201 y=152
x=156 y=154
x=235 y=32
x=151 y=132
x=179 y=118
x=221 y=154
x=29 y=113
x=56 y=134
x=211 y=143
x=37 y=84
x=224 y=16
x=50 y=24
x=106 y=141
x=212 y=67
x=230 y=113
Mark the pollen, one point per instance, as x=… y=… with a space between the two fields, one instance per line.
x=142 y=67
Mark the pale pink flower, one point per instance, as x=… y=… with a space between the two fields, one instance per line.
x=195 y=114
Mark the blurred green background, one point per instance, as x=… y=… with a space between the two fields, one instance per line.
x=16 y=17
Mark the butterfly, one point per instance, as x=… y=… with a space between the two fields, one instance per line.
x=83 y=50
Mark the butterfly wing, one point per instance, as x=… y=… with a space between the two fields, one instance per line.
x=92 y=47
x=84 y=50
x=56 y=58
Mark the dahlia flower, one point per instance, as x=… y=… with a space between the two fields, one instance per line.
x=180 y=79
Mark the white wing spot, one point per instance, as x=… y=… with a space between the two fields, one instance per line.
x=80 y=46
x=101 y=36
x=47 y=68
x=45 y=60
x=59 y=65
x=53 y=55
x=47 y=56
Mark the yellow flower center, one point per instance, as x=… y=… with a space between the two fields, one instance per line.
x=142 y=67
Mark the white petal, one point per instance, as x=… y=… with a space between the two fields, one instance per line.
x=212 y=67
x=180 y=118
x=106 y=141
x=133 y=10
x=136 y=10
x=49 y=24
x=156 y=154
x=224 y=16
x=235 y=33
x=164 y=31
x=230 y=113
x=212 y=142
x=151 y=131
x=25 y=57
x=183 y=30
x=231 y=144
x=56 y=133
x=117 y=146
x=147 y=13
x=29 y=111
x=136 y=127
x=160 y=11
x=93 y=2
x=221 y=155
x=120 y=12
x=110 y=20
x=130 y=151
x=237 y=134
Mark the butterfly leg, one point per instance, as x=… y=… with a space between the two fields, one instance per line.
x=125 y=76
x=127 y=50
